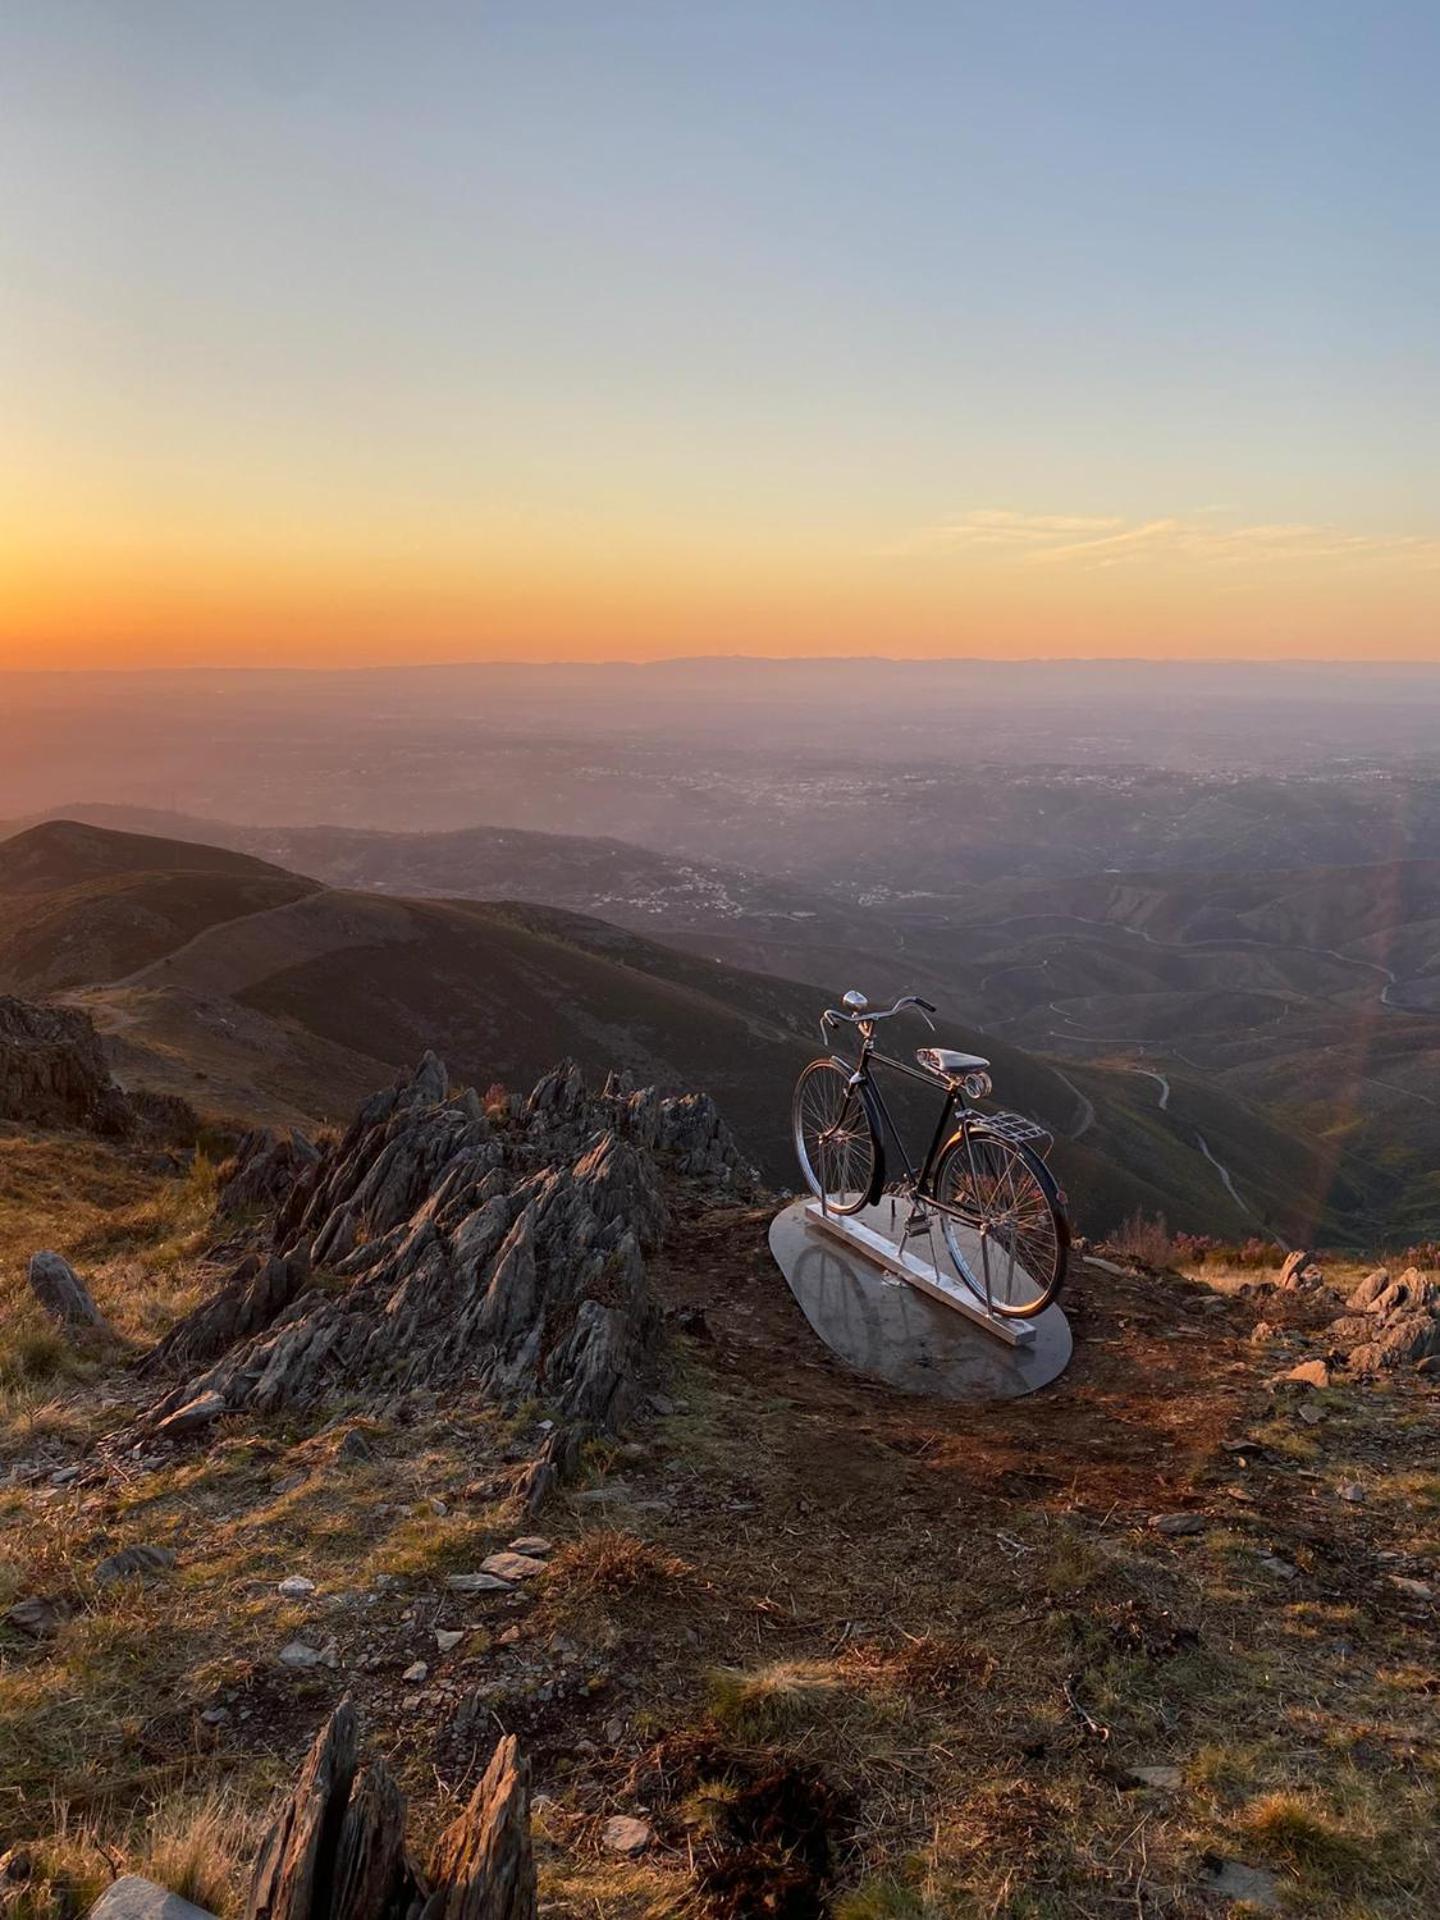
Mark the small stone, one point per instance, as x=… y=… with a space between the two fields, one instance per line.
x=447 y=1638
x=1157 y=1776
x=61 y=1291
x=63 y=1476
x=1309 y=1373
x=144 y=1562
x=1233 y=1880
x=478 y=1582
x=354 y=1447
x=196 y=1413
x=625 y=1835
x=1282 y=1569
x=1352 y=1491
x=415 y=1674
x=132 y=1897
x=288 y=1484
x=1312 y=1416
x=38 y=1618
x=533 y=1544
x=298 y=1654
x=1176 y=1524
x=215 y=1716
x=512 y=1566
x=1416 y=1589
x=511 y=1637
x=295 y=1586
x=1261 y=1332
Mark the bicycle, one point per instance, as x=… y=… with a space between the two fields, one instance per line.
x=1002 y=1214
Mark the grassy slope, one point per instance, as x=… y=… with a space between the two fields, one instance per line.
x=973 y=1677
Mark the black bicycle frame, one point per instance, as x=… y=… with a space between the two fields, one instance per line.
x=882 y=1120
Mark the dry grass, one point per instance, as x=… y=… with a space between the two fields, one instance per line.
x=779 y=1702
x=609 y=1563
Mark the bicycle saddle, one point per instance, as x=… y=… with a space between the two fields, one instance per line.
x=944 y=1060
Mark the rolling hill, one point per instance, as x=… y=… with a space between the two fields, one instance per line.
x=252 y=990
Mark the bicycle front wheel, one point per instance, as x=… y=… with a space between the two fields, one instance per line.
x=1003 y=1224
x=834 y=1141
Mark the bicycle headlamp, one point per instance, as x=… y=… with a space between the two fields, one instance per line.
x=977 y=1086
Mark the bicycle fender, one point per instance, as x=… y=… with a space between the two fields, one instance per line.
x=978 y=1130
x=872 y=1114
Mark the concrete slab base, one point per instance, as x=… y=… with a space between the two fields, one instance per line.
x=890 y=1329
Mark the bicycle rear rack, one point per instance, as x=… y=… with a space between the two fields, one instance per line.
x=1017 y=1129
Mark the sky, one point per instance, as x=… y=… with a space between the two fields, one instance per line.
x=336 y=333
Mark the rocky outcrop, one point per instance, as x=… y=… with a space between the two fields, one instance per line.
x=1390 y=1323
x=504 y=1252
x=264 y=1169
x=53 y=1072
x=338 y=1849
x=254 y=1295
x=61 y=1291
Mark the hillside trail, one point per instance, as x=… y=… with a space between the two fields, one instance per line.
x=233 y=953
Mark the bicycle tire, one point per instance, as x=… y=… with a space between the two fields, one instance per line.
x=1007 y=1199
x=835 y=1141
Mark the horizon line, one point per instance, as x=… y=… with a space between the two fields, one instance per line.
x=197 y=669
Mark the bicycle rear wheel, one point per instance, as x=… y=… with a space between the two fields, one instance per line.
x=1004 y=1228
x=834 y=1141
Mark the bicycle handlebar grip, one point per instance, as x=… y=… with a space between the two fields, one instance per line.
x=924 y=1005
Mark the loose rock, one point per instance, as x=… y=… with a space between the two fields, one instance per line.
x=625 y=1835
x=61 y=1292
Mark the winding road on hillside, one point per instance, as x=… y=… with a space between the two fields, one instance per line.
x=1149 y=1073
x=1391 y=978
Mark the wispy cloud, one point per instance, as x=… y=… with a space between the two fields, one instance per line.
x=1206 y=537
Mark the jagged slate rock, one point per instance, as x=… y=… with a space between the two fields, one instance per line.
x=53 y=1071
x=1369 y=1289
x=372 y=1877
x=478 y=1583
x=1403 y=1339
x=264 y=1169
x=483 y=1867
x=293 y=1875
x=513 y=1261
x=144 y=1561
x=61 y=1291
x=557 y=1463
x=194 y=1414
x=37 y=1617
x=1411 y=1293
x=132 y=1897
x=254 y=1296
x=1295 y=1265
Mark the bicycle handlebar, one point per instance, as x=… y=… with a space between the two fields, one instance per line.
x=833 y=1016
